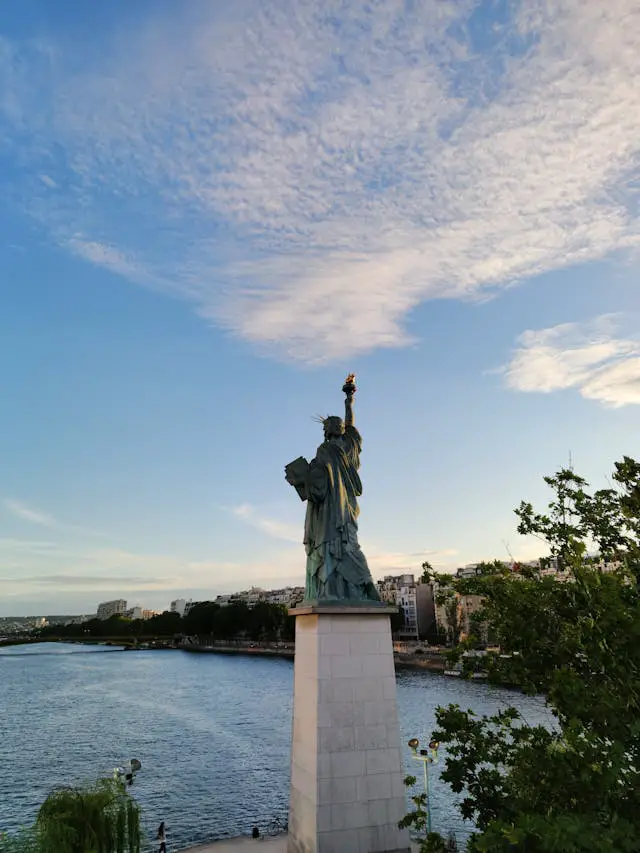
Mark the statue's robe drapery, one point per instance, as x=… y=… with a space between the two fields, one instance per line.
x=336 y=566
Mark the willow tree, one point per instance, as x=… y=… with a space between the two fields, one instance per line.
x=573 y=638
x=96 y=818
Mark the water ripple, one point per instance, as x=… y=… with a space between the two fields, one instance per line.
x=213 y=732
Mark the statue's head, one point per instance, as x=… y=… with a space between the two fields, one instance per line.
x=333 y=427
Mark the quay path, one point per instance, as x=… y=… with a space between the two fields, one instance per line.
x=244 y=845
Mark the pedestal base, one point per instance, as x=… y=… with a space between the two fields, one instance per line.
x=347 y=791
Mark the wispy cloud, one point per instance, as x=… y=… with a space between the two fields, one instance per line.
x=107 y=256
x=315 y=173
x=380 y=561
x=390 y=562
x=588 y=357
x=271 y=526
x=26 y=513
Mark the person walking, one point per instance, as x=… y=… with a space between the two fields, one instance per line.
x=162 y=838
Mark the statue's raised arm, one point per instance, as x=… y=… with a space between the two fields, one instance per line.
x=349 y=389
x=337 y=569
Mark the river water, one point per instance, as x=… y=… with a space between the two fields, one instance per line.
x=212 y=732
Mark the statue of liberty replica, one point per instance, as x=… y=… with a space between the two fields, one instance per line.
x=337 y=570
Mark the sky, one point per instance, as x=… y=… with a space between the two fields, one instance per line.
x=210 y=213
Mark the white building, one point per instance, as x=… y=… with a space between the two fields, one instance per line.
x=149 y=614
x=134 y=612
x=415 y=600
x=181 y=606
x=289 y=596
x=249 y=596
x=117 y=607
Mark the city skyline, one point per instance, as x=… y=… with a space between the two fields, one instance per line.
x=211 y=215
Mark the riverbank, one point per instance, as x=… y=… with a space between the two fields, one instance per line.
x=267 y=845
x=433 y=661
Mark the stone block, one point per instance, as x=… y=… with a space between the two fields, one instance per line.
x=368 y=689
x=334 y=644
x=348 y=764
x=365 y=644
x=323 y=817
x=342 y=790
x=398 y=788
x=338 y=841
x=370 y=737
x=323 y=667
x=382 y=761
x=389 y=690
x=341 y=713
x=382 y=712
x=374 y=787
x=323 y=766
x=349 y=815
x=378 y=812
x=396 y=809
x=378 y=666
x=381 y=839
x=336 y=739
x=346 y=667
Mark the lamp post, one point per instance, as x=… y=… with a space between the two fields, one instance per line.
x=127 y=772
x=427 y=757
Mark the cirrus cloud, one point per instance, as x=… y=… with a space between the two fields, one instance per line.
x=588 y=357
x=306 y=174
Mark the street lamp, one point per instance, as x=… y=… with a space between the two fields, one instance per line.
x=127 y=772
x=427 y=757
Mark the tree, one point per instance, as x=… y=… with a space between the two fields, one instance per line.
x=427 y=572
x=446 y=596
x=164 y=624
x=97 y=818
x=574 y=638
x=200 y=619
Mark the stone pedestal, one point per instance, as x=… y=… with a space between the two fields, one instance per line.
x=347 y=792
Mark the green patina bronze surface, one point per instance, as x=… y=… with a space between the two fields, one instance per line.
x=337 y=569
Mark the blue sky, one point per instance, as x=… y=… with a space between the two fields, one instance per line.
x=210 y=213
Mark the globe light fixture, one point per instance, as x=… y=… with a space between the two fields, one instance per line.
x=127 y=772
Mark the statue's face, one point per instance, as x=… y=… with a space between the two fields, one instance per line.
x=333 y=428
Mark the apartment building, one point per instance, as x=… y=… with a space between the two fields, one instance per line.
x=181 y=606
x=415 y=600
x=288 y=596
x=107 y=609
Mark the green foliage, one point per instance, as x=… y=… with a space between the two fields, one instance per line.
x=575 y=639
x=25 y=841
x=98 y=818
x=427 y=572
x=264 y=621
x=416 y=820
x=200 y=618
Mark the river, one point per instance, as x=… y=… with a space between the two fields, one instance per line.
x=212 y=732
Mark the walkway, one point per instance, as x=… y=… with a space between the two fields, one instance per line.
x=236 y=845
x=243 y=845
